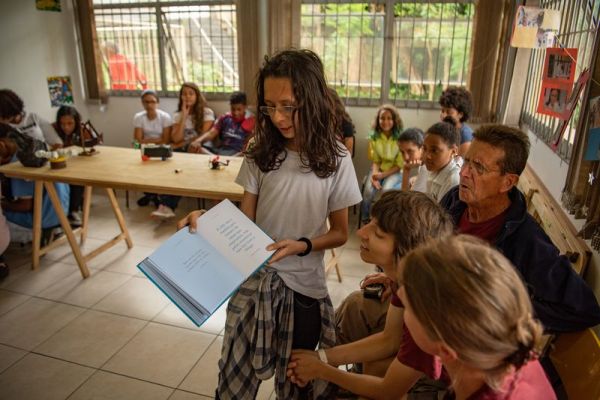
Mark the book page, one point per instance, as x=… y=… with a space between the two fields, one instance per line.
x=235 y=236
x=197 y=268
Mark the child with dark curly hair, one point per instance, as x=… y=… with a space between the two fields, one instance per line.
x=457 y=103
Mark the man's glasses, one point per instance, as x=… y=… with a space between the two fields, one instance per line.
x=478 y=167
x=270 y=111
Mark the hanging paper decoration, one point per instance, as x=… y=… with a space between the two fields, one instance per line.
x=553 y=99
x=559 y=65
x=592 y=151
x=535 y=27
x=557 y=82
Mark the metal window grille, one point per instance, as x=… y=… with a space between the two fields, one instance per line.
x=390 y=51
x=160 y=44
x=579 y=25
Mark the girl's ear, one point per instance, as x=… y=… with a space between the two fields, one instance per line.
x=446 y=353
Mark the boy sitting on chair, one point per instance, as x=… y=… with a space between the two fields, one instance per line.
x=232 y=130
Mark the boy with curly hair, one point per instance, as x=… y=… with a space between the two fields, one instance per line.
x=457 y=103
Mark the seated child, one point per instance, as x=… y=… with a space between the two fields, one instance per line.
x=457 y=103
x=69 y=128
x=152 y=125
x=230 y=133
x=18 y=203
x=439 y=151
x=12 y=112
x=191 y=120
x=483 y=341
x=411 y=147
x=385 y=154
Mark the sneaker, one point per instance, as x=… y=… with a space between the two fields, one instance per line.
x=163 y=212
x=144 y=200
x=75 y=218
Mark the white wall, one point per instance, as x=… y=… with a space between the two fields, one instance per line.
x=35 y=45
x=548 y=166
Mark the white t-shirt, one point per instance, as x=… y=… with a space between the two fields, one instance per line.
x=189 y=133
x=420 y=184
x=293 y=203
x=438 y=183
x=152 y=128
x=38 y=128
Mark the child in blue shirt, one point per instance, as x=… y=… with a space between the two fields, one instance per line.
x=457 y=103
x=231 y=131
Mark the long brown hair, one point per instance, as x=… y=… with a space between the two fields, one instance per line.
x=314 y=118
x=470 y=297
x=197 y=112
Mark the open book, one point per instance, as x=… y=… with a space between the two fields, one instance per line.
x=199 y=271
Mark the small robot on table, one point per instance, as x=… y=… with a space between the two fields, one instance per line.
x=216 y=163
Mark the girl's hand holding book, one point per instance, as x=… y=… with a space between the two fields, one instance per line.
x=190 y=220
x=285 y=248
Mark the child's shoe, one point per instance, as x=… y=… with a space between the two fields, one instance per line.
x=75 y=219
x=163 y=212
x=144 y=200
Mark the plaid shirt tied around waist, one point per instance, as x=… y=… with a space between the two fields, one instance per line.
x=258 y=339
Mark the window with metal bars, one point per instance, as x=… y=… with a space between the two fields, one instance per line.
x=404 y=52
x=160 y=44
x=578 y=26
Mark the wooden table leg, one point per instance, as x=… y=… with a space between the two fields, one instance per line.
x=87 y=201
x=37 y=224
x=115 y=206
x=64 y=222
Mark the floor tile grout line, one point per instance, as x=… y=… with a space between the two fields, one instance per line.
x=198 y=360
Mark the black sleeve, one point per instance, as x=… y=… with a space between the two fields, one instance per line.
x=562 y=300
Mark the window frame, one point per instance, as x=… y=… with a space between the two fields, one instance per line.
x=387 y=54
x=91 y=50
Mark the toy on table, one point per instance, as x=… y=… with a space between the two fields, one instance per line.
x=150 y=150
x=90 y=138
x=58 y=157
x=215 y=163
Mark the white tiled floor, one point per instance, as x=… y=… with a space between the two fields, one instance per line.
x=113 y=335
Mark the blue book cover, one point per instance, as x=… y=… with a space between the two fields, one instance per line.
x=199 y=271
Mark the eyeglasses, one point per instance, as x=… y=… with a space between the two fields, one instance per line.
x=478 y=167
x=270 y=111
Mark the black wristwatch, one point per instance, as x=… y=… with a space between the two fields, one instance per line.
x=308 y=246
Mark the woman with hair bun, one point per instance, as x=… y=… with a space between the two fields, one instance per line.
x=465 y=305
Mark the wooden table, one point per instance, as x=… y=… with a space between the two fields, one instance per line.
x=121 y=168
